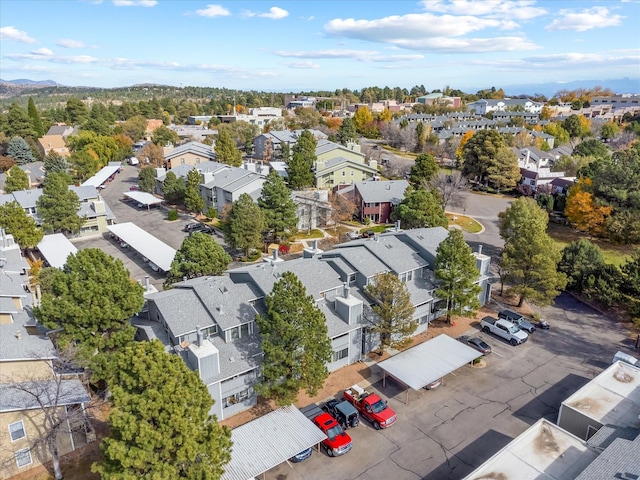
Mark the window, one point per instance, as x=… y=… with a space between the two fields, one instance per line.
x=23 y=457
x=244 y=330
x=235 y=333
x=16 y=430
x=353 y=173
x=344 y=173
x=340 y=354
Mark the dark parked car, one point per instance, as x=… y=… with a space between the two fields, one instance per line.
x=193 y=226
x=479 y=345
x=303 y=455
x=345 y=413
x=517 y=319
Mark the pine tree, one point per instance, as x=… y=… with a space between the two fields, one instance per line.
x=36 y=121
x=192 y=198
x=18 y=122
x=16 y=180
x=244 y=224
x=300 y=167
x=423 y=170
x=147 y=179
x=55 y=162
x=226 y=150
x=16 y=222
x=457 y=274
x=199 y=255
x=160 y=425
x=278 y=207
x=347 y=131
x=530 y=257
x=58 y=206
x=173 y=188
x=19 y=150
x=393 y=319
x=295 y=343
x=420 y=208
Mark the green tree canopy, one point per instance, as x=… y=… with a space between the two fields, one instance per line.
x=58 y=206
x=393 y=311
x=92 y=299
x=423 y=170
x=420 y=208
x=173 y=188
x=610 y=130
x=192 y=198
x=164 y=135
x=16 y=180
x=16 y=222
x=530 y=257
x=300 y=166
x=244 y=224
x=55 y=162
x=19 y=150
x=147 y=179
x=575 y=127
x=581 y=261
x=347 y=131
x=18 y=122
x=77 y=111
x=277 y=206
x=34 y=116
x=135 y=127
x=295 y=342
x=160 y=425
x=630 y=285
x=592 y=148
x=84 y=165
x=488 y=159
x=226 y=149
x=199 y=255
x=457 y=274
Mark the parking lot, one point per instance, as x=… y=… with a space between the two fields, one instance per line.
x=447 y=432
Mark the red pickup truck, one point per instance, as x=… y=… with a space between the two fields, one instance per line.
x=338 y=442
x=371 y=407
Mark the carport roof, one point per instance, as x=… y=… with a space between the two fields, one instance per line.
x=144 y=243
x=102 y=176
x=55 y=249
x=268 y=441
x=143 y=198
x=425 y=363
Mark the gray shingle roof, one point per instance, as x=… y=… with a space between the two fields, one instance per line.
x=622 y=456
x=31 y=395
x=399 y=256
x=379 y=192
x=196 y=148
x=360 y=259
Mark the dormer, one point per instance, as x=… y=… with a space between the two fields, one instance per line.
x=348 y=307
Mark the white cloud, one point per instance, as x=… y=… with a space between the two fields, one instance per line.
x=302 y=65
x=275 y=13
x=12 y=33
x=52 y=58
x=564 y=61
x=135 y=3
x=518 y=9
x=213 y=11
x=360 y=55
x=42 y=51
x=69 y=43
x=596 y=17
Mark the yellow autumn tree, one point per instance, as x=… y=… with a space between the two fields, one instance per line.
x=463 y=141
x=583 y=212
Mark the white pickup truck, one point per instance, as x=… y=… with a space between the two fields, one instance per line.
x=505 y=329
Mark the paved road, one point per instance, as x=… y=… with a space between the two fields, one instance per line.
x=448 y=432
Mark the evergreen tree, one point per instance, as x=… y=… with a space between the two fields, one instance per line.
x=160 y=425
x=347 y=131
x=18 y=122
x=295 y=343
x=16 y=180
x=91 y=299
x=244 y=224
x=487 y=158
x=16 y=222
x=173 y=188
x=19 y=150
x=84 y=165
x=192 y=198
x=300 y=167
x=423 y=170
x=393 y=319
x=77 y=112
x=420 y=208
x=226 y=149
x=36 y=121
x=163 y=136
x=581 y=261
x=277 y=206
x=58 y=206
x=457 y=274
x=284 y=152
x=55 y=162
x=630 y=285
x=530 y=256
x=147 y=179
x=199 y=255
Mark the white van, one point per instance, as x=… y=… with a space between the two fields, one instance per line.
x=133 y=161
x=625 y=357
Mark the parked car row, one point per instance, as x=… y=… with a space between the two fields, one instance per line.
x=194 y=227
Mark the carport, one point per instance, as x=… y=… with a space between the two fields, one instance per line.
x=423 y=364
x=102 y=176
x=270 y=440
x=143 y=198
x=145 y=244
x=55 y=249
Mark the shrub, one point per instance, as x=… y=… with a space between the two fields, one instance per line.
x=172 y=215
x=211 y=213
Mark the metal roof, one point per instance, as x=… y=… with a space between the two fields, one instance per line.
x=101 y=177
x=268 y=441
x=143 y=197
x=55 y=249
x=429 y=361
x=544 y=452
x=41 y=393
x=146 y=244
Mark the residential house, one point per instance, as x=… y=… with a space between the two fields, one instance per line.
x=485 y=106
x=313 y=208
x=338 y=166
x=266 y=146
x=197 y=133
x=152 y=125
x=30 y=385
x=63 y=130
x=34 y=171
x=192 y=153
x=376 y=200
x=54 y=143
x=292 y=102
x=92 y=206
x=210 y=321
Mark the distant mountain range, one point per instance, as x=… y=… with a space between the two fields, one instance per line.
x=549 y=89
x=26 y=81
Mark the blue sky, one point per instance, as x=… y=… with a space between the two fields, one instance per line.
x=319 y=45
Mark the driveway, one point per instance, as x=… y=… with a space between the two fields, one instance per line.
x=447 y=432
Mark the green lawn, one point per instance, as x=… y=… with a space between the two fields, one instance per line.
x=468 y=224
x=614 y=254
x=310 y=235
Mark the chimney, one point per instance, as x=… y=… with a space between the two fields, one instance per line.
x=199 y=334
x=315 y=244
x=345 y=290
x=18 y=335
x=146 y=283
x=479 y=249
x=184 y=279
x=38 y=294
x=397 y=225
x=275 y=254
